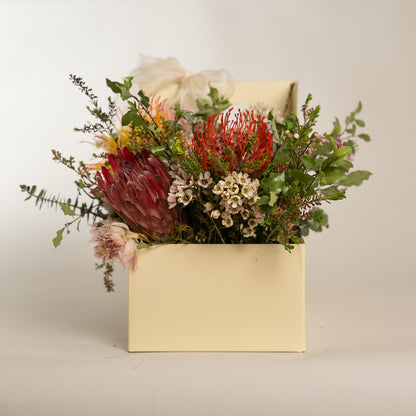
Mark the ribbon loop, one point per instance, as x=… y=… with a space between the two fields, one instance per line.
x=158 y=74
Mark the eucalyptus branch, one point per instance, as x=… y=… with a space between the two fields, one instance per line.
x=66 y=205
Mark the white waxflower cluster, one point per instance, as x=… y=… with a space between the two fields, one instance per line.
x=238 y=195
x=182 y=189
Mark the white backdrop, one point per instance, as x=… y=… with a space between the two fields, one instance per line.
x=63 y=339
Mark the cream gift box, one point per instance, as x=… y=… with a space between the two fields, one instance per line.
x=241 y=297
x=213 y=297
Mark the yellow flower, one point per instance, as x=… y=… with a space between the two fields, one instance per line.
x=136 y=139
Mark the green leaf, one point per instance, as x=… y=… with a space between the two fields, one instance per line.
x=343 y=152
x=127 y=82
x=122 y=89
x=142 y=244
x=158 y=150
x=336 y=129
x=325 y=149
x=66 y=209
x=316 y=221
x=274 y=182
x=356 y=178
x=365 y=137
x=333 y=176
x=114 y=86
x=349 y=119
x=344 y=164
x=352 y=130
x=57 y=240
x=213 y=93
x=203 y=103
x=360 y=123
x=273 y=199
x=281 y=157
x=134 y=118
x=177 y=148
x=295 y=240
x=333 y=193
x=333 y=142
x=165 y=238
x=301 y=177
x=308 y=162
x=263 y=200
x=144 y=99
x=327 y=162
x=359 y=108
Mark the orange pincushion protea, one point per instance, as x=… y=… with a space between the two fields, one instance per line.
x=244 y=144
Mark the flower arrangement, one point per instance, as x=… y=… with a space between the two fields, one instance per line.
x=213 y=174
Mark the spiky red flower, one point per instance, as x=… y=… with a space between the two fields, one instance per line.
x=244 y=144
x=137 y=190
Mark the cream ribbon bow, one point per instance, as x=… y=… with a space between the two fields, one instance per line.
x=157 y=74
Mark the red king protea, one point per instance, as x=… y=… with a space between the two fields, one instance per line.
x=137 y=190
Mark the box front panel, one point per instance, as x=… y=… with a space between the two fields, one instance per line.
x=217 y=298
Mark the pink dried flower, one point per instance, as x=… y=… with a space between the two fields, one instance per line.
x=113 y=241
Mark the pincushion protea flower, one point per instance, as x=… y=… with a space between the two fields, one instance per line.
x=137 y=190
x=244 y=144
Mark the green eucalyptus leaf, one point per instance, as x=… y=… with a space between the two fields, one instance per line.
x=66 y=209
x=57 y=240
x=360 y=123
x=365 y=137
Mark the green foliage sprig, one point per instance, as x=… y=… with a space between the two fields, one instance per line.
x=105 y=118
